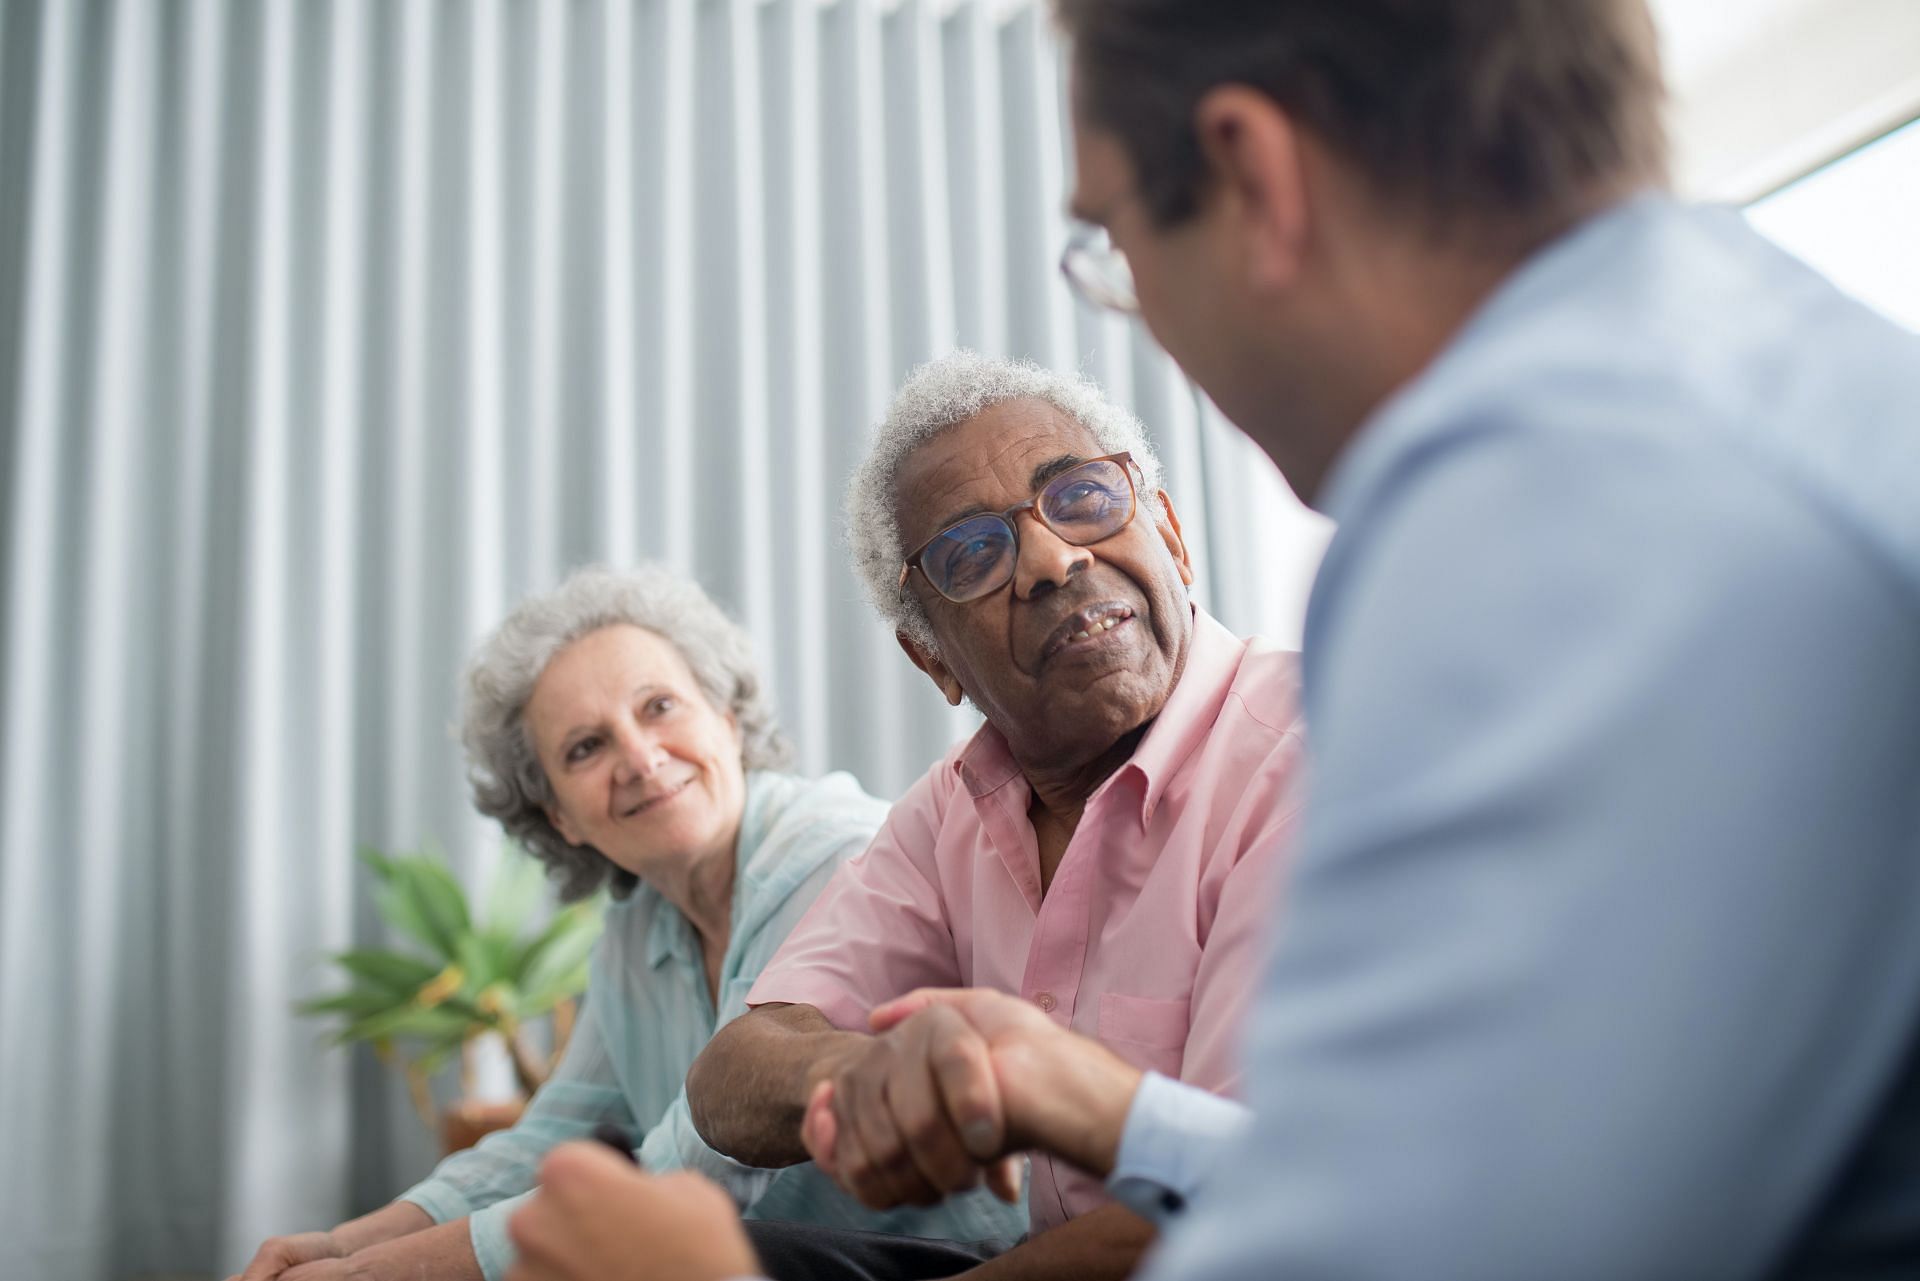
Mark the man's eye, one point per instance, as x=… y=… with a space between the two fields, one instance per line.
x=1081 y=499
x=971 y=559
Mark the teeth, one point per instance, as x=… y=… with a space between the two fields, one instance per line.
x=1106 y=624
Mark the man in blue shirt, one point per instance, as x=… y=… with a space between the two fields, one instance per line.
x=1602 y=958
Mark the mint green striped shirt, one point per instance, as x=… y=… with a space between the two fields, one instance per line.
x=648 y=1014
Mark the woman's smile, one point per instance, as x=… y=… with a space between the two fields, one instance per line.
x=657 y=798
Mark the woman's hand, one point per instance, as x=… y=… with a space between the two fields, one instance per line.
x=277 y=1257
x=285 y=1258
x=352 y=1268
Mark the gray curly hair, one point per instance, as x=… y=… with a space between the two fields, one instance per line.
x=944 y=393
x=502 y=766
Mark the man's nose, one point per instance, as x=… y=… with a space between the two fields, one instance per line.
x=1047 y=561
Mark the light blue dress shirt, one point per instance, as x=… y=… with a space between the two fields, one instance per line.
x=1171 y=1147
x=648 y=1015
x=1602 y=955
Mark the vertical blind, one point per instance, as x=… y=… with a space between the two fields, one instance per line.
x=328 y=329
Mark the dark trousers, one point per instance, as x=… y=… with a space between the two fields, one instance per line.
x=809 y=1252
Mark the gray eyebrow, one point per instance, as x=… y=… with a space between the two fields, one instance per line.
x=1048 y=470
x=1041 y=475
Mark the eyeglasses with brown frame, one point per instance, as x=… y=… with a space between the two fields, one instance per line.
x=1083 y=505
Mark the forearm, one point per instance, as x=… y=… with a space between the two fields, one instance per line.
x=401 y=1218
x=1103 y=1245
x=747 y=1092
x=442 y=1251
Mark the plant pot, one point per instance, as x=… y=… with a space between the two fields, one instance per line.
x=467 y=1122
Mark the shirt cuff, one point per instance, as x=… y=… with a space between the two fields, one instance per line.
x=1172 y=1140
x=487 y=1231
x=442 y=1202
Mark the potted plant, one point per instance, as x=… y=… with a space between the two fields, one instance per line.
x=472 y=976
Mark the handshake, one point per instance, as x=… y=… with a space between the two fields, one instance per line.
x=952 y=1086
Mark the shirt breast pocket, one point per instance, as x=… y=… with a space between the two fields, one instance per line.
x=1151 y=1034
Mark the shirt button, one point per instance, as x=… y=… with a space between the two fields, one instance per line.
x=1045 y=1001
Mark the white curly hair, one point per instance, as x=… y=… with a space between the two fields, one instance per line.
x=944 y=393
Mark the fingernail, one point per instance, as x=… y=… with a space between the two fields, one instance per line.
x=978 y=1137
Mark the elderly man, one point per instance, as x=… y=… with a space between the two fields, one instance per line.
x=1102 y=847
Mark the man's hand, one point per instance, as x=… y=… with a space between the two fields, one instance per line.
x=909 y=1110
x=955 y=1082
x=597 y=1218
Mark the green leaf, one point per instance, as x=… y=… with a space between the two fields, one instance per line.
x=400 y=909
x=356 y=1003
x=516 y=888
x=577 y=916
x=477 y=1019
x=380 y=862
x=564 y=948
x=510 y=999
x=442 y=902
x=477 y=961
x=408 y=1020
x=538 y=1001
x=391 y=971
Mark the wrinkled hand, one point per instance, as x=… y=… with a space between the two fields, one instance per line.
x=1046 y=1088
x=328 y=1270
x=278 y=1256
x=597 y=1218
x=913 y=1116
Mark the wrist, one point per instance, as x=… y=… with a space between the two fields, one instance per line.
x=1095 y=1090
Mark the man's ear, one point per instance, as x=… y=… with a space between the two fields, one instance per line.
x=943 y=680
x=1253 y=149
x=1169 y=527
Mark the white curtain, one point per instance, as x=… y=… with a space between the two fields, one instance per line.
x=328 y=329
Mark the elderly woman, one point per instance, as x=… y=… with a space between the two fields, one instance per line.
x=616 y=728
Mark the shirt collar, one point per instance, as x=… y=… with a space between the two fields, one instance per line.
x=1213 y=658
x=668 y=935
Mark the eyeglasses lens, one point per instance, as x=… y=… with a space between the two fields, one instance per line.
x=970 y=559
x=1098 y=271
x=1088 y=503
x=976 y=556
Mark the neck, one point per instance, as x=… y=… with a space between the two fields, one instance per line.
x=1060 y=792
x=1407 y=293
x=702 y=890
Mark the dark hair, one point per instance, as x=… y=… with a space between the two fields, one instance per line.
x=1508 y=112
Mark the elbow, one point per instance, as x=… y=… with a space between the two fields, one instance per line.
x=706 y=1091
x=740 y=1088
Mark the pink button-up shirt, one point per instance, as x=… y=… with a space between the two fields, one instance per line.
x=1149 y=936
